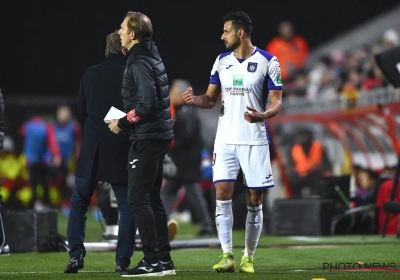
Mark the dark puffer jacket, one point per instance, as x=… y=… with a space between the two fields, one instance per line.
x=145 y=89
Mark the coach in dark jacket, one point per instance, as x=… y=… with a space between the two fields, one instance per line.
x=146 y=102
x=103 y=156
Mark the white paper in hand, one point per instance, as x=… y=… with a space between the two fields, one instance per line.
x=114 y=114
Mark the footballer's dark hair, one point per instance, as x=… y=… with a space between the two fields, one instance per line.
x=240 y=20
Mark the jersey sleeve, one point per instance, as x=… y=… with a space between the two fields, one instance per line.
x=214 y=79
x=274 y=74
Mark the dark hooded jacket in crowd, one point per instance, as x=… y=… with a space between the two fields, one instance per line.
x=145 y=89
x=187 y=146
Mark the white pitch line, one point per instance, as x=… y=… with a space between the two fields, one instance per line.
x=112 y=272
x=304 y=271
x=49 y=272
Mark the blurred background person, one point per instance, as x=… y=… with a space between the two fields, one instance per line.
x=291 y=50
x=355 y=179
x=390 y=39
x=186 y=153
x=68 y=137
x=14 y=185
x=383 y=193
x=321 y=80
x=365 y=194
x=107 y=203
x=39 y=138
x=308 y=159
x=298 y=87
x=374 y=79
x=11 y=172
x=4 y=248
x=1 y=120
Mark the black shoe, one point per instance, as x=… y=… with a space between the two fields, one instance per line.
x=120 y=268
x=168 y=268
x=75 y=263
x=144 y=269
x=5 y=251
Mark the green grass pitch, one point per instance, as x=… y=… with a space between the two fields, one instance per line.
x=276 y=258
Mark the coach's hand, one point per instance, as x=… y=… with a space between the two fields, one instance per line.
x=187 y=95
x=253 y=115
x=113 y=126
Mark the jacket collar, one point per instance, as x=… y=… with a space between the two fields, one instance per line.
x=115 y=59
x=146 y=48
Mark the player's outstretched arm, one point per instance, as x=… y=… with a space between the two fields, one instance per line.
x=205 y=101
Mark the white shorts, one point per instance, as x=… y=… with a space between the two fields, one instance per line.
x=253 y=160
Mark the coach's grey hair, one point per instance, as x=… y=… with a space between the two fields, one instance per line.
x=113 y=44
x=181 y=85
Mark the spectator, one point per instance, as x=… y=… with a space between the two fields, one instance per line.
x=68 y=136
x=390 y=39
x=4 y=248
x=365 y=193
x=10 y=169
x=308 y=157
x=351 y=95
x=374 y=79
x=291 y=50
x=186 y=153
x=39 y=138
x=354 y=179
x=1 y=120
x=383 y=196
x=321 y=80
x=299 y=86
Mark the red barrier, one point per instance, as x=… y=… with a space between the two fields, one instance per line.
x=351 y=127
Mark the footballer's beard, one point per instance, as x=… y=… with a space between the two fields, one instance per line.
x=234 y=45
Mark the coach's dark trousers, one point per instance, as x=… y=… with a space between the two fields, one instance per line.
x=145 y=178
x=76 y=231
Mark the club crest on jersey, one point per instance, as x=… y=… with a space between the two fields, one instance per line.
x=252 y=66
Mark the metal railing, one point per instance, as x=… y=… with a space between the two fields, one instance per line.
x=298 y=105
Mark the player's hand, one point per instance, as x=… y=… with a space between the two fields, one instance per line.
x=187 y=95
x=113 y=126
x=253 y=115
